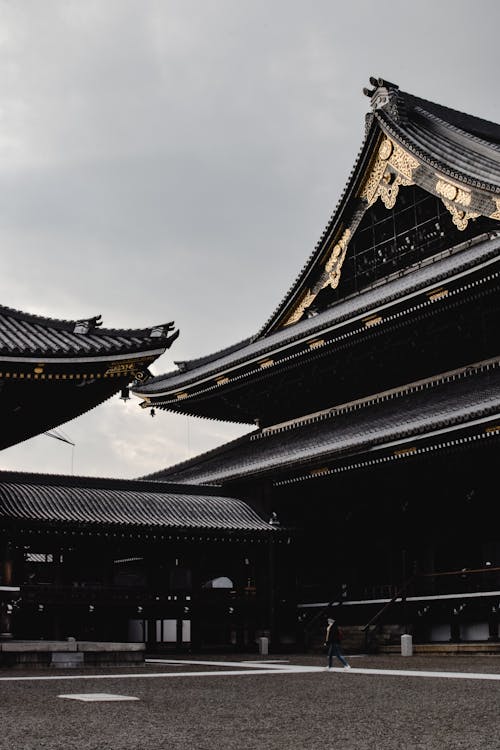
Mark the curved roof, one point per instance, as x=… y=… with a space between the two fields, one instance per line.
x=48 y=504
x=54 y=370
x=460 y=145
x=388 y=421
x=26 y=335
x=486 y=250
x=444 y=142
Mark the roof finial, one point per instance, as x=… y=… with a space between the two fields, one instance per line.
x=381 y=93
x=89 y=324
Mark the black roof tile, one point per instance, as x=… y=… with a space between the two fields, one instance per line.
x=453 y=400
x=94 y=502
x=343 y=311
x=26 y=335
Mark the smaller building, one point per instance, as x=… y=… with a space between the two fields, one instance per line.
x=114 y=560
x=54 y=370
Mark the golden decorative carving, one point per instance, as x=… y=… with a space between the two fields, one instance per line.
x=316 y=343
x=455 y=198
x=496 y=212
x=333 y=265
x=329 y=277
x=393 y=168
x=455 y=193
x=404 y=163
x=386 y=149
x=134 y=368
x=369 y=190
x=298 y=311
x=437 y=294
x=460 y=217
x=447 y=190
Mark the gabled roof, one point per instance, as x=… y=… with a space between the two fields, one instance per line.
x=408 y=141
x=449 y=153
x=89 y=503
x=394 y=424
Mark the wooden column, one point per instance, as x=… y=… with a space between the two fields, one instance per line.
x=5 y=597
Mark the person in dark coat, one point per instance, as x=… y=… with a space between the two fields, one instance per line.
x=332 y=641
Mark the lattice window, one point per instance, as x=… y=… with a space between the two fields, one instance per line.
x=387 y=241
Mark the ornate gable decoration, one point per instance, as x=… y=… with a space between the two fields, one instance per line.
x=329 y=277
x=398 y=160
x=391 y=168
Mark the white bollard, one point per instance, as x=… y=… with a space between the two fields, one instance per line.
x=263 y=646
x=406 y=645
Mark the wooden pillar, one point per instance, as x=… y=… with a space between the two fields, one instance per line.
x=5 y=598
x=6 y=565
x=271 y=591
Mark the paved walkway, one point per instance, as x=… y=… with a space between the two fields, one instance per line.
x=248 y=667
x=286 y=703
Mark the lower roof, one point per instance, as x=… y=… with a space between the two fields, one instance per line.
x=395 y=421
x=42 y=499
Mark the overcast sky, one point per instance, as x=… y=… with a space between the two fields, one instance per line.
x=178 y=160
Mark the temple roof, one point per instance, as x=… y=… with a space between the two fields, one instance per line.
x=28 y=499
x=291 y=340
x=408 y=141
x=396 y=423
x=26 y=335
x=54 y=370
x=428 y=141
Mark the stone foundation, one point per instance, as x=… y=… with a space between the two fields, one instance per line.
x=66 y=654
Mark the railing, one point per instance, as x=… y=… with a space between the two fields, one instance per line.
x=463 y=581
x=442 y=583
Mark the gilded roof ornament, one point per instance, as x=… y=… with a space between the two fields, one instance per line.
x=456 y=199
x=496 y=212
x=392 y=168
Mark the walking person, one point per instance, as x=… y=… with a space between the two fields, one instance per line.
x=332 y=641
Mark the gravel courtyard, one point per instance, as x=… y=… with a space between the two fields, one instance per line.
x=185 y=706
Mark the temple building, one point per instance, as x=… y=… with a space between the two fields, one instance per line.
x=119 y=560
x=54 y=370
x=171 y=566
x=374 y=390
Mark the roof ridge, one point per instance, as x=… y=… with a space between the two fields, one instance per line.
x=111 y=483
x=67 y=324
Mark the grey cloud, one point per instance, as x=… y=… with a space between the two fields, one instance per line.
x=179 y=160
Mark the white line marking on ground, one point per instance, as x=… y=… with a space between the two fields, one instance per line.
x=420 y=673
x=268 y=661
x=250 y=669
x=97 y=697
x=237 y=664
x=138 y=675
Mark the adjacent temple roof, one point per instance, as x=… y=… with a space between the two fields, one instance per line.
x=54 y=370
x=410 y=142
x=445 y=410
x=88 y=504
